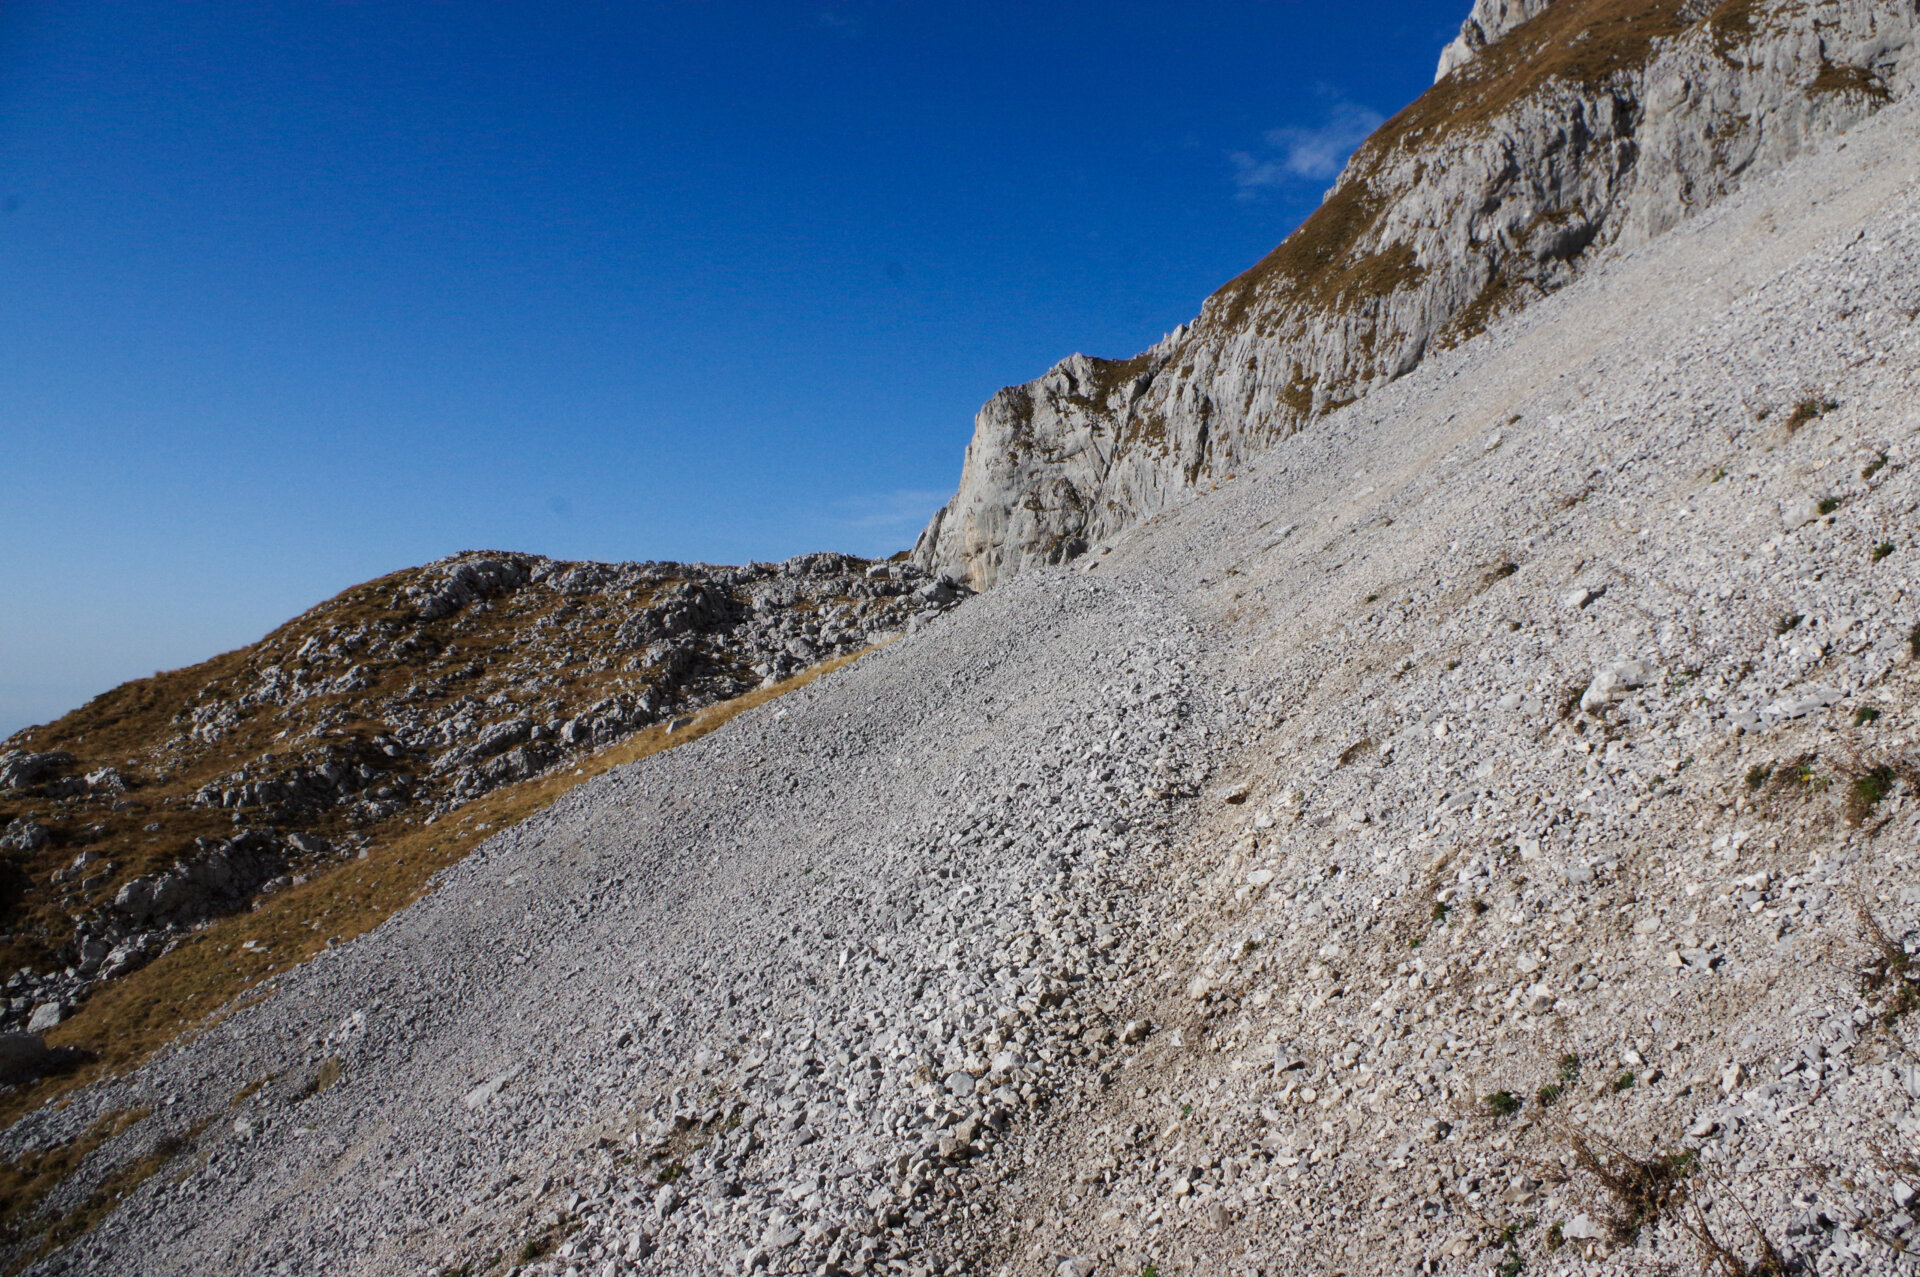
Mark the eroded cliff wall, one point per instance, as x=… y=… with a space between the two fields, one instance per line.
x=1557 y=133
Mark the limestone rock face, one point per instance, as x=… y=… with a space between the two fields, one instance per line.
x=1489 y=20
x=1563 y=133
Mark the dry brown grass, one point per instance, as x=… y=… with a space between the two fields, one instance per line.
x=1584 y=43
x=139 y=730
x=26 y=1181
x=188 y=989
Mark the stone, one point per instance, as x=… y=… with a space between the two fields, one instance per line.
x=1612 y=682
x=1799 y=513
x=45 y=1016
x=23 y=1057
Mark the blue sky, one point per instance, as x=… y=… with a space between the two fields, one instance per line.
x=294 y=294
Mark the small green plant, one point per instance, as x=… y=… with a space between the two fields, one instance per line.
x=1623 y=1083
x=1810 y=409
x=1913 y=641
x=1186 y=1110
x=1556 y=1238
x=1882 y=550
x=1503 y=1104
x=1150 y=1270
x=1479 y=907
x=1758 y=775
x=1866 y=793
x=1829 y=504
x=1569 y=1068
x=671 y=1172
x=1718 y=475
x=1550 y=1094
x=1439 y=911
x=535 y=1247
x=1787 y=623
x=1864 y=715
x=1513 y=1263
x=1874 y=466
x=1453 y=665
x=1371 y=598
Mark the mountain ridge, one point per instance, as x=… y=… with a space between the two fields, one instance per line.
x=1576 y=128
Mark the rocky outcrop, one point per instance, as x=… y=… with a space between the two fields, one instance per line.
x=1489 y=21
x=1559 y=134
x=173 y=801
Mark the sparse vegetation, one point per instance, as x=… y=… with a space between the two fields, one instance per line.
x=1503 y=1104
x=1874 y=466
x=1890 y=974
x=1639 y=1189
x=1866 y=793
x=1864 y=715
x=1883 y=550
x=1788 y=622
x=1809 y=409
x=1829 y=504
x=1623 y=1083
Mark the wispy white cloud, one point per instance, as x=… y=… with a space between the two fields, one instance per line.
x=1293 y=154
x=879 y=522
x=842 y=18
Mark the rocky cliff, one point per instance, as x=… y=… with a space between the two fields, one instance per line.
x=1558 y=134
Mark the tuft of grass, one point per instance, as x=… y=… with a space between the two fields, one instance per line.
x=1556 y=1237
x=1866 y=793
x=1883 y=550
x=1788 y=622
x=1758 y=775
x=1874 y=466
x=1623 y=1083
x=1809 y=409
x=1913 y=641
x=325 y=1076
x=1864 y=715
x=1373 y=598
x=1829 y=504
x=1503 y=1104
x=1566 y=1075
